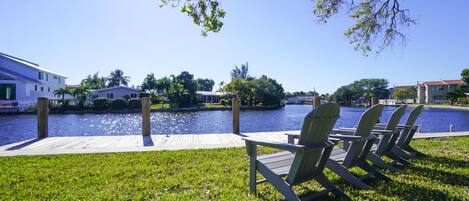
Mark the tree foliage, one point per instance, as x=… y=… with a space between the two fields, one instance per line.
x=377 y=23
x=94 y=81
x=205 y=84
x=117 y=77
x=366 y=88
x=252 y=91
x=150 y=83
x=405 y=93
x=61 y=92
x=465 y=75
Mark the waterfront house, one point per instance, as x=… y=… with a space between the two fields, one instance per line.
x=22 y=82
x=300 y=100
x=115 y=92
x=434 y=92
x=209 y=96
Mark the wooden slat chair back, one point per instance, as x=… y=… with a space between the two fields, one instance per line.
x=316 y=128
x=357 y=150
x=409 y=131
x=387 y=141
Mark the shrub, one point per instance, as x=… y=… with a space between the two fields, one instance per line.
x=135 y=103
x=126 y=97
x=119 y=104
x=100 y=104
x=224 y=102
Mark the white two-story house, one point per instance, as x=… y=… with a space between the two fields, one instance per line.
x=22 y=82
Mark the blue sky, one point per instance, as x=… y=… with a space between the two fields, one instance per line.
x=278 y=38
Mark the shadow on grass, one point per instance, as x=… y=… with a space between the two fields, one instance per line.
x=25 y=144
x=445 y=161
x=406 y=191
x=147 y=141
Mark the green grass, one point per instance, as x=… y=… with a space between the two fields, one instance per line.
x=220 y=174
x=160 y=106
x=213 y=105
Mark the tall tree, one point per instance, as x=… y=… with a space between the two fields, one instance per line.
x=150 y=84
x=117 y=78
x=81 y=93
x=405 y=93
x=378 y=23
x=163 y=85
x=94 y=81
x=205 y=84
x=240 y=73
x=465 y=75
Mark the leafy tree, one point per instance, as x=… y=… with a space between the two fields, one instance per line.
x=405 y=93
x=150 y=83
x=94 y=81
x=367 y=88
x=177 y=94
x=378 y=23
x=61 y=92
x=240 y=73
x=268 y=91
x=163 y=85
x=205 y=84
x=116 y=78
x=465 y=75
x=81 y=93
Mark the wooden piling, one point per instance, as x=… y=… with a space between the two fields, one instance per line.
x=236 y=107
x=146 y=108
x=42 y=117
x=316 y=102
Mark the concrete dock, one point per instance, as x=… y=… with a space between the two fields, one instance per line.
x=138 y=143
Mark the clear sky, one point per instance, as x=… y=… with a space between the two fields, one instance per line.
x=279 y=38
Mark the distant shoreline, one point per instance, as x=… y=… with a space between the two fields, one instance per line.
x=184 y=109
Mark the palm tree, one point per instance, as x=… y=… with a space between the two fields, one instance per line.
x=117 y=78
x=241 y=73
x=61 y=92
x=163 y=85
x=94 y=81
x=81 y=93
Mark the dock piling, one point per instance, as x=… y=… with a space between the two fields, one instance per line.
x=146 y=108
x=42 y=117
x=236 y=108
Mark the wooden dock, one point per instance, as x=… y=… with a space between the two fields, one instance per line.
x=137 y=143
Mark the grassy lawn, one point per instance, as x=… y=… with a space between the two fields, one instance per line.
x=213 y=105
x=160 y=106
x=220 y=174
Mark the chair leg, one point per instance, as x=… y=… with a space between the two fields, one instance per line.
x=399 y=152
x=413 y=151
x=281 y=185
x=398 y=159
x=375 y=159
x=340 y=170
x=367 y=167
x=324 y=181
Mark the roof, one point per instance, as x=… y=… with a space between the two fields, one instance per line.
x=7 y=74
x=209 y=93
x=443 y=82
x=117 y=87
x=29 y=64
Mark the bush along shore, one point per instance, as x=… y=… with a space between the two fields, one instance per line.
x=134 y=105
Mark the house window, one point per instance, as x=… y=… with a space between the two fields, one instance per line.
x=47 y=77
x=110 y=96
x=133 y=95
x=7 y=92
x=48 y=89
x=35 y=87
x=59 y=80
x=42 y=88
x=40 y=75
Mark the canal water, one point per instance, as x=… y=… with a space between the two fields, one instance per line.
x=14 y=128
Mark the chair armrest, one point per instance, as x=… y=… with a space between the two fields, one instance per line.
x=278 y=145
x=382 y=132
x=343 y=131
x=292 y=137
x=345 y=137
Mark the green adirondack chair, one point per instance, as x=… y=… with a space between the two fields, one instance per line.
x=357 y=143
x=355 y=150
x=300 y=162
x=408 y=131
x=388 y=134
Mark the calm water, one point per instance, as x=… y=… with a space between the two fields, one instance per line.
x=20 y=127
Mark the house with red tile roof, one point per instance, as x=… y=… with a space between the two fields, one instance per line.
x=434 y=92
